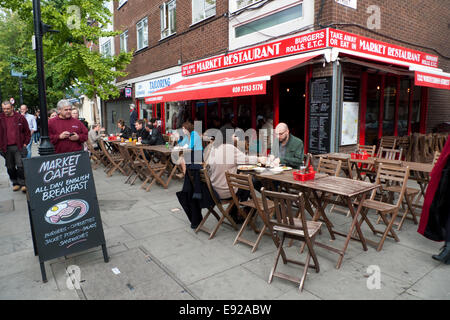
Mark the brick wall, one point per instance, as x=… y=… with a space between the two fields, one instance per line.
x=420 y=25
x=190 y=43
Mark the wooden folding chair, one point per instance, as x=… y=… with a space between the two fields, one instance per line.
x=390 y=175
x=291 y=223
x=364 y=168
x=134 y=166
x=387 y=142
x=390 y=154
x=152 y=171
x=244 y=182
x=96 y=156
x=114 y=161
x=224 y=207
x=370 y=150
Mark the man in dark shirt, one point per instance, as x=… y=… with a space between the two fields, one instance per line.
x=14 y=138
x=133 y=117
x=67 y=134
x=155 y=136
x=141 y=133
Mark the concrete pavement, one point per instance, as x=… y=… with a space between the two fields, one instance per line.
x=158 y=256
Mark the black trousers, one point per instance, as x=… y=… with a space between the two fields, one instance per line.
x=14 y=164
x=447 y=229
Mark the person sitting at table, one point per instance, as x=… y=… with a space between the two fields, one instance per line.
x=125 y=132
x=94 y=135
x=141 y=133
x=190 y=140
x=220 y=158
x=155 y=137
x=290 y=149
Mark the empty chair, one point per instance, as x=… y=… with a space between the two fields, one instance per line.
x=330 y=167
x=290 y=222
x=224 y=207
x=387 y=142
x=244 y=182
x=370 y=150
x=390 y=154
x=114 y=161
x=390 y=175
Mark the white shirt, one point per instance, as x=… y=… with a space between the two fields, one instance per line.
x=32 y=124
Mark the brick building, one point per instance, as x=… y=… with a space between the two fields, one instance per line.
x=333 y=70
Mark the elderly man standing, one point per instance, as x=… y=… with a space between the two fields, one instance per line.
x=290 y=147
x=66 y=133
x=32 y=125
x=14 y=138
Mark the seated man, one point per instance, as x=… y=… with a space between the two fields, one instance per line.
x=141 y=133
x=94 y=135
x=290 y=149
x=223 y=157
x=125 y=132
x=155 y=137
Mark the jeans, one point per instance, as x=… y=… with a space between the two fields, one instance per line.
x=36 y=136
x=14 y=165
x=29 y=149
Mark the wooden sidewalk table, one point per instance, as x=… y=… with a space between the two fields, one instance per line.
x=347 y=189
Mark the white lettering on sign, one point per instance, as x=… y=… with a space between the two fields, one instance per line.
x=59 y=168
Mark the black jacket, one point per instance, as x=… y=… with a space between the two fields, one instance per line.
x=143 y=134
x=156 y=138
x=126 y=132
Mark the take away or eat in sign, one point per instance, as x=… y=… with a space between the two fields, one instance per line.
x=308 y=42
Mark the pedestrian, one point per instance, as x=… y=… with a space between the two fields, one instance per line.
x=53 y=113
x=32 y=125
x=133 y=117
x=37 y=134
x=66 y=133
x=76 y=115
x=14 y=138
x=435 y=219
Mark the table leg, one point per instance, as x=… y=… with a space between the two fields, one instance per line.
x=321 y=212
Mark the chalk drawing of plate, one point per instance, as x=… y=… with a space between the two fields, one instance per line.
x=67 y=211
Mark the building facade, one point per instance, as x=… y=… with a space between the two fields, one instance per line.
x=338 y=72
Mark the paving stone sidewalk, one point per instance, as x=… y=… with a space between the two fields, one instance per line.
x=160 y=257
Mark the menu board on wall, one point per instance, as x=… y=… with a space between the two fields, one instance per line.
x=320 y=116
x=350 y=112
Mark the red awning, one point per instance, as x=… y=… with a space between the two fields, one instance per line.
x=433 y=80
x=239 y=81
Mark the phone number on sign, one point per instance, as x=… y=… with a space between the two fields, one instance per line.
x=248 y=88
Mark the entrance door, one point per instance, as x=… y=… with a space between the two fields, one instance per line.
x=292 y=106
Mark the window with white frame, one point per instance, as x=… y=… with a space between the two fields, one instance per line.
x=124 y=42
x=105 y=49
x=168 y=18
x=202 y=9
x=142 y=33
x=243 y=3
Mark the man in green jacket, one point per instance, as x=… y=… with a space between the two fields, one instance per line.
x=290 y=147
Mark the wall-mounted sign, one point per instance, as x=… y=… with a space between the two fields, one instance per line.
x=348 y=3
x=320 y=116
x=128 y=93
x=349 y=121
x=432 y=80
x=145 y=88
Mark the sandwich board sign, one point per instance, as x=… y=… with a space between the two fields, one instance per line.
x=62 y=206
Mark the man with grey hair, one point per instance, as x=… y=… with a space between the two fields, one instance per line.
x=67 y=134
x=133 y=117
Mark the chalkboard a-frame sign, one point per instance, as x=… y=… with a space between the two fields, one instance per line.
x=63 y=206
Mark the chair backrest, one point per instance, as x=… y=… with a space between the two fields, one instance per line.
x=391 y=174
x=388 y=142
x=369 y=149
x=331 y=167
x=244 y=182
x=105 y=151
x=287 y=208
x=436 y=156
x=390 y=154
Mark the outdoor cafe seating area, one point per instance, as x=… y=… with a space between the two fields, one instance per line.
x=378 y=189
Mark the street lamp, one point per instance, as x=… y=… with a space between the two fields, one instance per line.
x=46 y=147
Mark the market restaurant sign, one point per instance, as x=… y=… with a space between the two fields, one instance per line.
x=308 y=42
x=432 y=80
x=145 y=88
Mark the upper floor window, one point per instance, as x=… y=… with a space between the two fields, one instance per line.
x=168 y=18
x=124 y=42
x=202 y=9
x=142 y=33
x=105 y=49
x=121 y=3
x=243 y=3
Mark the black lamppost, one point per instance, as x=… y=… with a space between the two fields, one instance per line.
x=46 y=147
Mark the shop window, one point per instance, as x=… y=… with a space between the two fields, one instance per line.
x=373 y=108
x=227 y=110
x=124 y=42
x=390 y=92
x=403 y=107
x=244 y=112
x=168 y=18
x=176 y=115
x=417 y=100
x=203 y=9
x=212 y=111
x=146 y=111
x=142 y=33
x=199 y=112
x=270 y=21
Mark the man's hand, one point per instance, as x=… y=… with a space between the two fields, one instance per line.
x=74 y=137
x=64 y=135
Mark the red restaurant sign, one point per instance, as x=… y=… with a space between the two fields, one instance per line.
x=308 y=42
x=432 y=80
